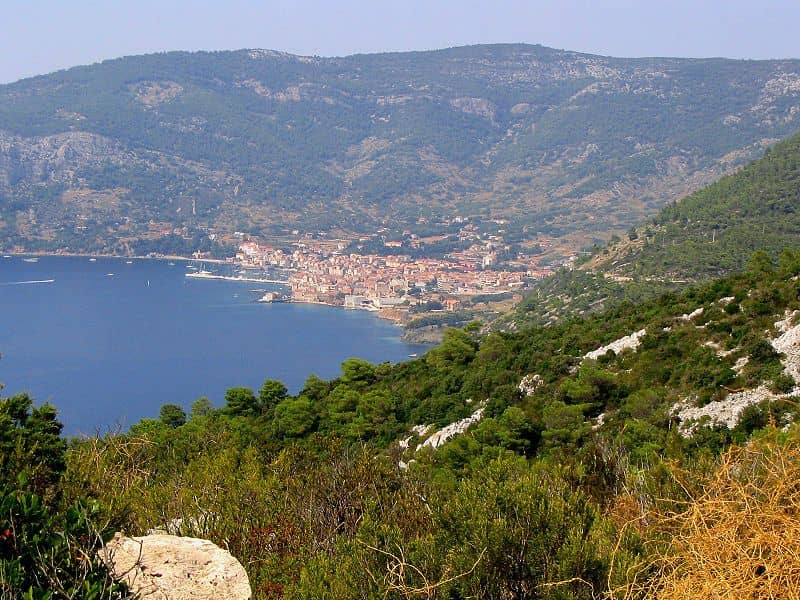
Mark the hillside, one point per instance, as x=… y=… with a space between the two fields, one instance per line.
x=120 y=155
x=714 y=231
x=708 y=234
x=562 y=462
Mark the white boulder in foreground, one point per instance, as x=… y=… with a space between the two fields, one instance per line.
x=168 y=567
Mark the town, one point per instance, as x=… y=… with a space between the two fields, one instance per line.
x=397 y=286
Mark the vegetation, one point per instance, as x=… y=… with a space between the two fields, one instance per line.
x=267 y=143
x=708 y=234
x=579 y=485
x=48 y=540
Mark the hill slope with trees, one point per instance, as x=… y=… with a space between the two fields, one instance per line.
x=587 y=448
x=708 y=234
x=566 y=146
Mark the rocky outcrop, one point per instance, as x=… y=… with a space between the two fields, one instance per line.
x=444 y=434
x=167 y=567
x=629 y=342
x=432 y=334
x=788 y=344
x=530 y=383
x=726 y=413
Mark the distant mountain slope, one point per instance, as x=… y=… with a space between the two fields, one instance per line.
x=570 y=145
x=714 y=231
x=708 y=234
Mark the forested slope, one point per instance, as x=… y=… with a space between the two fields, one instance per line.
x=583 y=438
x=569 y=145
x=707 y=234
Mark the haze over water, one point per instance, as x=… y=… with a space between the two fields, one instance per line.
x=108 y=350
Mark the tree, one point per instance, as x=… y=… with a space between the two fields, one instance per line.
x=240 y=401
x=202 y=407
x=294 y=417
x=271 y=393
x=760 y=263
x=30 y=443
x=172 y=415
x=357 y=371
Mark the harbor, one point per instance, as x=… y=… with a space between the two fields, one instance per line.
x=247 y=278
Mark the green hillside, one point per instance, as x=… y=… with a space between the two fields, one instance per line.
x=714 y=231
x=567 y=145
x=705 y=235
x=562 y=483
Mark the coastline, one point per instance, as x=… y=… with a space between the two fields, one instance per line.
x=219 y=261
x=378 y=313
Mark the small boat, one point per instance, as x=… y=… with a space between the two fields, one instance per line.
x=30 y=260
x=128 y=262
x=109 y=274
x=171 y=264
x=412 y=355
x=92 y=260
x=6 y=256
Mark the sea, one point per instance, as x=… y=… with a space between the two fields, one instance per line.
x=108 y=341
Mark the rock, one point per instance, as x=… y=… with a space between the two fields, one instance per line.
x=530 y=383
x=725 y=412
x=444 y=434
x=788 y=343
x=629 y=342
x=168 y=567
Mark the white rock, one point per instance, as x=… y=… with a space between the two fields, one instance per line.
x=444 y=434
x=598 y=422
x=529 y=384
x=740 y=363
x=788 y=343
x=691 y=315
x=167 y=567
x=726 y=412
x=421 y=430
x=631 y=342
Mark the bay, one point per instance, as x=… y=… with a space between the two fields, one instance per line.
x=108 y=342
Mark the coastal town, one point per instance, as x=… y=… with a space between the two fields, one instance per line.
x=398 y=286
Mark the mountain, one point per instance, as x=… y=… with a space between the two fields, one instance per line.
x=708 y=234
x=565 y=147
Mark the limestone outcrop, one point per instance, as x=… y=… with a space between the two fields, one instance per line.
x=168 y=567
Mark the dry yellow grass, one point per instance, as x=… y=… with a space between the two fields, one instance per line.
x=739 y=538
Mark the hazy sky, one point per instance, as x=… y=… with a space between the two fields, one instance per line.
x=39 y=36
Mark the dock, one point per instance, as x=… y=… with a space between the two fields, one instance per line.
x=204 y=275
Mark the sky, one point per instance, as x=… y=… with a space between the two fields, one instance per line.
x=40 y=36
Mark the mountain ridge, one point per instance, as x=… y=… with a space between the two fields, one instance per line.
x=564 y=145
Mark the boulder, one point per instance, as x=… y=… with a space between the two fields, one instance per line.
x=168 y=567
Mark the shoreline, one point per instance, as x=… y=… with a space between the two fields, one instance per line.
x=236 y=278
x=118 y=256
x=377 y=313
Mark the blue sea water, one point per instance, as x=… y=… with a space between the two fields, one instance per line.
x=109 y=342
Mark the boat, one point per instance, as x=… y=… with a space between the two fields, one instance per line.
x=128 y=262
x=6 y=256
x=30 y=260
x=92 y=260
x=412 y=355
x=109 y=274
x=171 y=264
